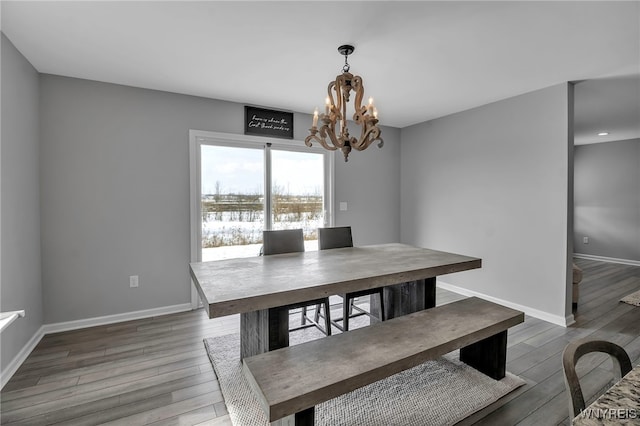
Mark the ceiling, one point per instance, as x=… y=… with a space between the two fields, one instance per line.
x=419 y=60
x=610 y=105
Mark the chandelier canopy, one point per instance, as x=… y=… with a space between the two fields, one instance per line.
x=335 y=114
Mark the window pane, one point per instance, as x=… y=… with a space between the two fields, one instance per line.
x=297 y=193
x=232 y=201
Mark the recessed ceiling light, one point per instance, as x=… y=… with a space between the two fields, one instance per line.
x=603 y=133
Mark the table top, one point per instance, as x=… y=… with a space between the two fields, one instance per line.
x=248 y=284
x=619 y=405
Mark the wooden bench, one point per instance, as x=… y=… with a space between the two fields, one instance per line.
x=292 y=380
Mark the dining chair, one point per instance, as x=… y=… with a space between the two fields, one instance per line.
x=573 y=352
x=292 y=241
x=339 y=237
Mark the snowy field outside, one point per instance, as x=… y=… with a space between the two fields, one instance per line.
x=230 y=234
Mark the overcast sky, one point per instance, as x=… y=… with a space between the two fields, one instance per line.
x=241 y=170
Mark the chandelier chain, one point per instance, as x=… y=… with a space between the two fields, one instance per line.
x=346 y=66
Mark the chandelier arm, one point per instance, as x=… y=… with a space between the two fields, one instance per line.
x=321 y=141
x=325 y=131
x=370 y=134
x=335 y=114
x=343 y=122
x=338 y=88
x=361 y=146
x=360 y=115
x=358 y=87
x=335 y=140
x=328 y=118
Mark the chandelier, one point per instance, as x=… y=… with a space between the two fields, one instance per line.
x=335 y=114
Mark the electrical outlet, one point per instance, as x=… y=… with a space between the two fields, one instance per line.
x=585 y=240
x=343 y=206
x=133 y=281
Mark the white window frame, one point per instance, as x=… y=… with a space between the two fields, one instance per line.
x=198 y=137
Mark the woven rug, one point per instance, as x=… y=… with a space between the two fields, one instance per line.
x=632 y=299
x=440 y=392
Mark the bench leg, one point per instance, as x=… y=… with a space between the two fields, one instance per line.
x=489 y=356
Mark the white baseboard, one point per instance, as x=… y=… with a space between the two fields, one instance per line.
x=545 y=316
x=607 y=259
x=113 y=319
x=21 y=356
x=84 y=323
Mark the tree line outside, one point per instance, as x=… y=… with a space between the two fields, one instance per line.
x=237 y=219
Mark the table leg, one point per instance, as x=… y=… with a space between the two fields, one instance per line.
x=429 y=292
x=301 y=418
x=489 y=356
x=263 y=331
x=405 y=298
x=306 y=417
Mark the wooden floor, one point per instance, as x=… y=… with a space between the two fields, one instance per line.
x=156 y=370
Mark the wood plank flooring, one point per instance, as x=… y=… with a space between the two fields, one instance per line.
x=156 y=370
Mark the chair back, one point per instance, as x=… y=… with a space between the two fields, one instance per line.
x=282 y=241
x=573 y=352
x=336 y=237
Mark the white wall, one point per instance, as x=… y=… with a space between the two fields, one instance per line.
x=20 y=280
x=115 y=193
x=493 y=182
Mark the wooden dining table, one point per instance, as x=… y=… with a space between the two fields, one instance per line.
x=262 y=289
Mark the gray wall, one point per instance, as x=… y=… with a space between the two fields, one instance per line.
x=20 y=282
x=492 y=182
x=607 y=199
x=369 y=184
x=115 y=193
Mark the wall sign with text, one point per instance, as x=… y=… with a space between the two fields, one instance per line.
x=267 y=122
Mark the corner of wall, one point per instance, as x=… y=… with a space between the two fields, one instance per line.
x=20 y=204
